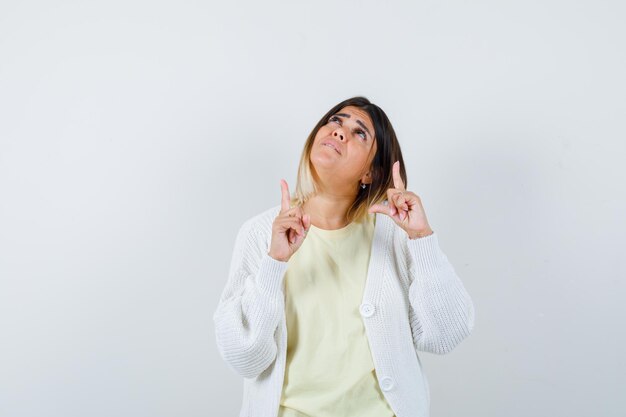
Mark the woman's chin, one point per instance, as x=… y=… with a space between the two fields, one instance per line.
x=325 y=157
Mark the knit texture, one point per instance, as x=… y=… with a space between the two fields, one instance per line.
x=413 y=301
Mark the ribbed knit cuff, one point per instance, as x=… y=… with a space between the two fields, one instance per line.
x=427 y=255
x=271 y=274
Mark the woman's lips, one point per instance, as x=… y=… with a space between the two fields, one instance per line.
x=331 y=145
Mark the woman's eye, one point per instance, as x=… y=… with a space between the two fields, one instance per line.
x=358 y=131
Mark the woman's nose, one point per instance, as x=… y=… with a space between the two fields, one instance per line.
x=338 y=135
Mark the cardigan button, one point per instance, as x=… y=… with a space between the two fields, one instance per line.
x=367 y=309
x=386 y=383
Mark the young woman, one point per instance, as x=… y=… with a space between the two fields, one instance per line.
x=332 y=293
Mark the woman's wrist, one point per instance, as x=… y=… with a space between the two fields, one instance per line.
x=420 y=234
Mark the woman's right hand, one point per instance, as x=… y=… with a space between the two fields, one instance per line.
x=289 y=228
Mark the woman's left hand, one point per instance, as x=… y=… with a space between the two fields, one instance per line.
x=404 y=207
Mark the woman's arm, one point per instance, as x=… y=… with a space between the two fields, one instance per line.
x=442 y=312
x=250 y=306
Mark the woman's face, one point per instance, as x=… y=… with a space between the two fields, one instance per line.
x=344 y=148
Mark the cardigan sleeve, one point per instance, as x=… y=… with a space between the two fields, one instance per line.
x=250 y=306
x=442 y=311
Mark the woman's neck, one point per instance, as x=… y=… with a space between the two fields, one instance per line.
x=327 y=212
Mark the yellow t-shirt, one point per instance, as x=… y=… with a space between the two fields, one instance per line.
x=329 y=369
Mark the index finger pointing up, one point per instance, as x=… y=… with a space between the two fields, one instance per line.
x=286 y=200
x=397 y=179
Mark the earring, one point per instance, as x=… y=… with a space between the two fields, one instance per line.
x=363 y=185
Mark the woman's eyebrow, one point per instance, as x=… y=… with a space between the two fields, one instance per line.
x=357 y=120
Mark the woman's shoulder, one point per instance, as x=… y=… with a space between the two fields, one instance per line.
x=261 y=223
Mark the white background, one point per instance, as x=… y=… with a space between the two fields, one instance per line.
x=137 y=136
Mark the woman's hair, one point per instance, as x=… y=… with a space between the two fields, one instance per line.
x=387 y=152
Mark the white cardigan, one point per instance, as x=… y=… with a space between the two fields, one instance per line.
x=413 y=301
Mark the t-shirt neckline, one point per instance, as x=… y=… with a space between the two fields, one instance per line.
x=334 y=233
